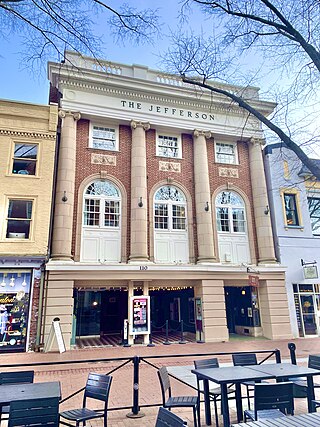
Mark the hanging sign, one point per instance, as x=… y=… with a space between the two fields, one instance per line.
x=310 y=272
x=140 y=315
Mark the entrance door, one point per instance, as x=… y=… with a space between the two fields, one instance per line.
x=309 y=315
x=232 y=228
x=101 y=232
x=170 y=226
x=114 y=309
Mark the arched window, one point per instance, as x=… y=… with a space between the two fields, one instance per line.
x=230 y=212
x=169 y=209
x=102 y=205
x=170 y=226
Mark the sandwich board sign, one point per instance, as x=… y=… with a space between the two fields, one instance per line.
x=55 y=333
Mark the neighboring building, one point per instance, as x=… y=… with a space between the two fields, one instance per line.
x=160 y=194
x=294 y=196
x=27 y=141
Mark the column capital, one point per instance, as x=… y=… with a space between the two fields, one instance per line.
x=63 y=114
x=257 y=141
x=145 y=125
x=205 y=133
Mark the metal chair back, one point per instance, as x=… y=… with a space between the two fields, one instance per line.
x=205 y=363
x=274 y=396
x=244 y=359
x=168 y=419
x=34 y=412
x=164 y=383
x=314 y=362
x=19 y=377
x=97 y=387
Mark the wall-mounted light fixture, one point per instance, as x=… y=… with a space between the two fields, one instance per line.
x=266 y=210
x=140 y=203
x=64 y=197
x=3 y=283
x=206 y=207
x=12 y=282
x=243 y=292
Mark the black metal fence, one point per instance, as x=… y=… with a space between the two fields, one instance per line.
x=150 y=361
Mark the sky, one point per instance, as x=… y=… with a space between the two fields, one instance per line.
x=17 y=82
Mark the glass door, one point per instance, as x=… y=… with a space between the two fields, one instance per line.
x=309 y=315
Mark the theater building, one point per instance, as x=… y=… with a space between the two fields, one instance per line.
x=161 y=209
x=28 y=142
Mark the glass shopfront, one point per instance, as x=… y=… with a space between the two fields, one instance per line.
x=15 y=288
x=307 y=304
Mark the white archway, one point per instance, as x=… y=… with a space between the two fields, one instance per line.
x=232 y=231
x=101 y=226
x=170 y=226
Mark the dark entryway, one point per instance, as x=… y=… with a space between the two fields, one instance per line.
x=172 y=305
x=100 y=312
x=242 y=309
x=114 y=309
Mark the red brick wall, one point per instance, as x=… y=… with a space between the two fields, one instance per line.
x=84 y=168
x=34 y=313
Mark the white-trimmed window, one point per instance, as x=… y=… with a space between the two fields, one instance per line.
x=314 y=211
x=102 y=205
x=25 y=159
x=104 y=137
x=169 y=146
x=230 y=213
x=170 y=209
x=226 y=153
x=19 y=219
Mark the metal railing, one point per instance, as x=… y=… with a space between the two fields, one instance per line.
x=136 y=361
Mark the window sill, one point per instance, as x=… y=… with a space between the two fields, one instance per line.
x=17 y=175
x=13 y=240
x=227 y=164
x=169 y=158
x=104 y=150
x=294 y=227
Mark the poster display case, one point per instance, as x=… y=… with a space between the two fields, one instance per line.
x=15 y=288
x=140 y=315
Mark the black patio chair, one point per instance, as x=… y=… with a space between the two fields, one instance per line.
x=168 y=419
x=97 y=387
x=215 y=392
x=179 y=401
x=18 y=377
x=300 y=386
x=272 y=400
x=34 y=412
x=246 y=359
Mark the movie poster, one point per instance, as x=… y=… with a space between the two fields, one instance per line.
x=140 y=313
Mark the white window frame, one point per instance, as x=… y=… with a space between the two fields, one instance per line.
x=230 y=208
x=312 y=195
x=31 y=229
x=106 y=126
x=36 y=161
x=235 y=157
x=179 y=143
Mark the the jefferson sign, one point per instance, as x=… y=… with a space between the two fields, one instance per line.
x=166 y=111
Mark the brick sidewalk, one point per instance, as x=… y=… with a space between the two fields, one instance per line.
x=73 y=377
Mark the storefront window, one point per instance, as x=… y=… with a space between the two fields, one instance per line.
x=14 y=309
x=307 y=305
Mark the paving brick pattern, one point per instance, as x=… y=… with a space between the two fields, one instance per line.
x=73 y=376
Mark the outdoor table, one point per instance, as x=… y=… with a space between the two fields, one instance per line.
x=282 y=371
x=12 y=392
x=224 y=376
x=304 y=420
